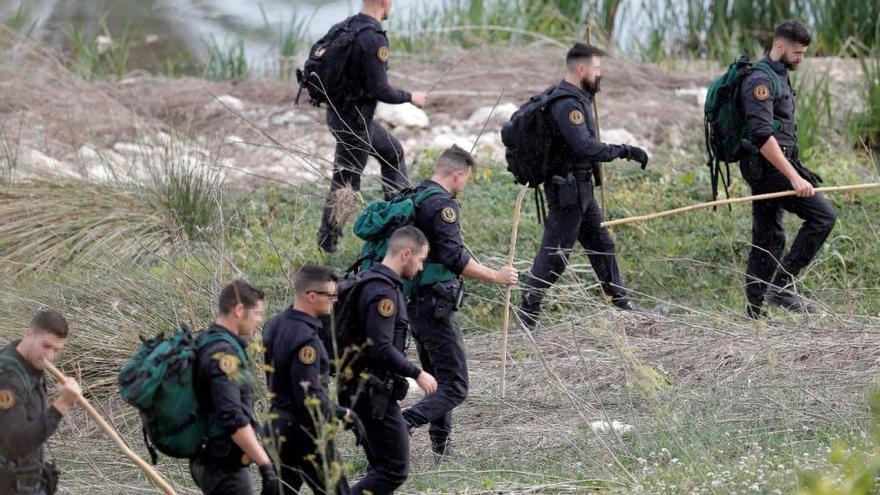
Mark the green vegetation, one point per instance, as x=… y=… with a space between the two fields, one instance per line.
x=225 y=62
x=100 y=54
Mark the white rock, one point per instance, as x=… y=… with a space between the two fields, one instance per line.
x=501 y=115
x=234 y=140
x=284 y=119
x=444 y=141
x=151 y=38
x=88 y=153
x=103 y=44
x=34 y=162
x=618 y=427
x=224 y=102
x=622 y=136
x=693 y=95
x=132 y=149
x=405 y=115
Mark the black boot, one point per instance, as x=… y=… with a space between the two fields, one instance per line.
x=327 y=242
x=529 y=310
x=442 y=448
x=754 y=310
x=624 y=304
x=787 y=298
x=781 y=293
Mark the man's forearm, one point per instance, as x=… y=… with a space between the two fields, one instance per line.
x=246 y=438
x=477 y=271
x=773 y=153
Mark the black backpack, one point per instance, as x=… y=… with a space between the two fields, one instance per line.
x=527 y=138
x=341 y=332
x=323 y=75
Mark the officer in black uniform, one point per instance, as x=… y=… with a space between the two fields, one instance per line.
x=381 y=314
x=297 y=374
x=437 y=295
x=26 y=423
x=351 y=121
x=574 y=214
x=768 y=103
x=224 y=388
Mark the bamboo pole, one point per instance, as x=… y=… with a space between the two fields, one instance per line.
x=510 y=255
x=588 y=38
x=730 y=201
x=154 y=476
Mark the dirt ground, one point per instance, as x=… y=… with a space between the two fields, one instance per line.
x=53 y=121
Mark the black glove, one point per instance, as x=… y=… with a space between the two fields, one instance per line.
x=636 y=154
x=269 y=479
x=353 y=422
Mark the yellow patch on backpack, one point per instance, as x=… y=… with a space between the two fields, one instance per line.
x=576 y=117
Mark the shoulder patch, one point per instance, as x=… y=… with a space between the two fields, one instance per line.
x=229 y=364
x=386 y=307
x=383 y=54
x=308 y=354
x=762 y=92
x=7 y=399
x=576 y=117
x=448 y=215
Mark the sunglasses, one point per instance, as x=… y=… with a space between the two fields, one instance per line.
x=332 y=295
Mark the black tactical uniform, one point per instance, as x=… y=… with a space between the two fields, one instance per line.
x=26 y=423
x=298 y=369
x=381 y=314
x=351 y=122
x=435 y=299
x=224 y=388
x=574 y=214
x=771 y=113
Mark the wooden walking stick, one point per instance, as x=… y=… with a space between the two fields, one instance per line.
x=154 y=476
x=730 y=201
x=587 y=37
x=510 y=254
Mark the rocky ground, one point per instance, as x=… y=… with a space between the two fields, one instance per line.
x=51 y=121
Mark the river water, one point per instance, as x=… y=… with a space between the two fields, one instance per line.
x=163 y=28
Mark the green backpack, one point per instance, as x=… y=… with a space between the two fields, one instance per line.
x=158 y=381
x=724 y=121
x=380 y=219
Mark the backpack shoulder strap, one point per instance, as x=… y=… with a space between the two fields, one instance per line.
x=420 y=198
x=14 y=365
x=204 y=341
x=775 y=80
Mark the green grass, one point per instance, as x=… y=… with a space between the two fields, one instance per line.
x=93 y=61
x=225 y=62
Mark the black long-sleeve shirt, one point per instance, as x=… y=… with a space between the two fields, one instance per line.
x=26 y=422
x=298 y=365
x=439 y=217
x=575 y=145
x=224 y=382
x=383 y=315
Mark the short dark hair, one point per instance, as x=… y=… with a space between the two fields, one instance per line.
x=309 y=277
x=580 y=52
x=50 y=321
x=237 y=292
x=454 y=159
x=406 y=237
x=792 y=30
